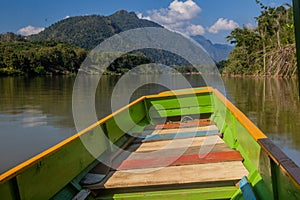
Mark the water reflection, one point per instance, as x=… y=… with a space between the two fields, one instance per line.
x=36 y=112
x=273 y=105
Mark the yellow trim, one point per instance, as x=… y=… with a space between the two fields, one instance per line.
x=255 y=132
x=175 y=93
x=21 y=167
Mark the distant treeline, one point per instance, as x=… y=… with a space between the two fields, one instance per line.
x=21 y=57
x=268 y=49
x=18 y=56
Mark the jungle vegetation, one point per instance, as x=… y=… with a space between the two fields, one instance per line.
x=266 y=50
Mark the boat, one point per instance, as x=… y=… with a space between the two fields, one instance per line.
x=179 y=144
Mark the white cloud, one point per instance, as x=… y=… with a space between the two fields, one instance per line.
x=66 y=17
x=195 y=30
x=222 y=24
x=30 y=30
x=177 y=16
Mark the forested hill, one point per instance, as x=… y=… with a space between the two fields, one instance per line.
x=268 y=49
x=89 y=31
x=62 y=47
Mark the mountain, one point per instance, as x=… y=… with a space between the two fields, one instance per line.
x=218 y=52
x=88 y=31
x=11 y=37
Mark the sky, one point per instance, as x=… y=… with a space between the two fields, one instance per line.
x=214 y=19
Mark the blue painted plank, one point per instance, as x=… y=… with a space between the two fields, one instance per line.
x=179 y=135
x=247 y=190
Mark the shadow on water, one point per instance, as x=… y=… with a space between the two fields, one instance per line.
x=273 y=105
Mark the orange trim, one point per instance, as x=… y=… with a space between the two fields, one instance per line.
x=21 y=167
x=245 y=121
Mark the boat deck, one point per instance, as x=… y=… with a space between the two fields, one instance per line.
x=185 y=155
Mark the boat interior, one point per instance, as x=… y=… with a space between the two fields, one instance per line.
x=186 y=154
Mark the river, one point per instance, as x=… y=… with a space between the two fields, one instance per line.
x=36 y=112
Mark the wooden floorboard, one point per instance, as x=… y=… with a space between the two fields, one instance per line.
x=189 y=129
x=187 y=124
x=178 y=151
x=176 y=143
x=189 y=159
x=210 y=172
x=170 y=136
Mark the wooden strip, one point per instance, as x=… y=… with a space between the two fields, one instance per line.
x=186 y=124
x=155 y=137
x=174 y=152
x=171 y=144
x=280 y=158
x=188 y=129
x=182 y=160
x=202 y=173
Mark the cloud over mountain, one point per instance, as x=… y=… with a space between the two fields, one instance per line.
x=178 y=16
x=30 y=30
x=181 y=15
x=222 y=24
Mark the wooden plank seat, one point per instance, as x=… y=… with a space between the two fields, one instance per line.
x=183 y=129
x=175 y=148
x=189 y=159
x=170 y=136
x=175 y=143
x=219 y=147
x=193 y=123
x=161 y=160
x=208 y=173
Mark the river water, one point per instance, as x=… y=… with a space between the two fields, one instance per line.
x=36 y=112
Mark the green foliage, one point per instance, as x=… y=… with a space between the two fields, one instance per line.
x=126 y=63
x=268 y=49
x=11 y=37
x=17 y=58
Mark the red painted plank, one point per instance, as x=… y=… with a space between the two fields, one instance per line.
x=191 y=159
x=186 y=124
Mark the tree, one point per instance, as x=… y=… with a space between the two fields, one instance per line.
x=268 y=49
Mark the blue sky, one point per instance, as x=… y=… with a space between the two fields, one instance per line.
x=213 y=19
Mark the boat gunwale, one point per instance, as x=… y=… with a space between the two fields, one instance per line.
x=254 y=131
x=284 y=162
x=31 y=161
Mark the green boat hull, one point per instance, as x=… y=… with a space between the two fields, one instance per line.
x=57 y=172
